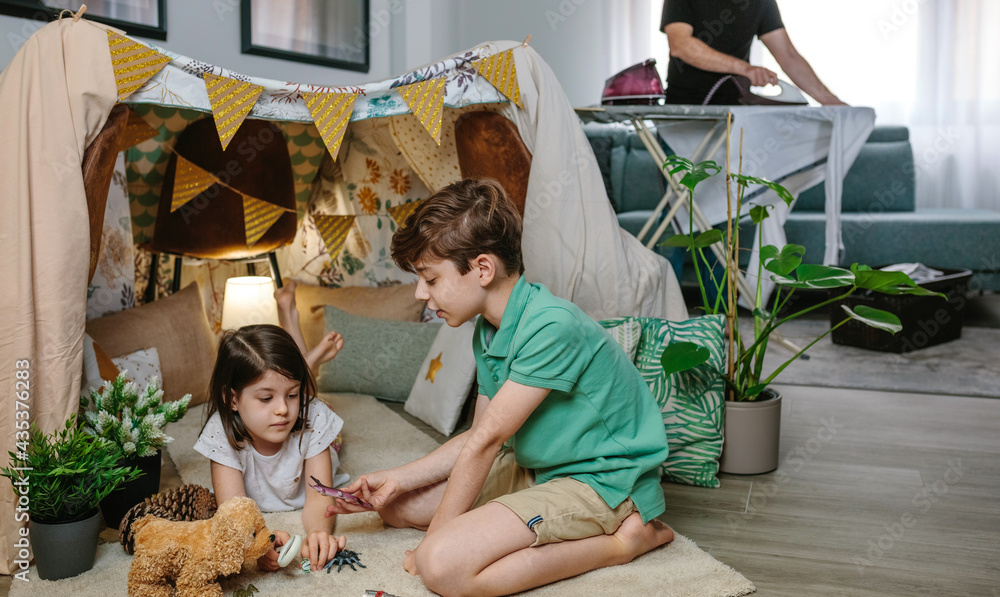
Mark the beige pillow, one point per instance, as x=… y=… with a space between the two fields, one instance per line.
x=178 y=328
x=390 y=302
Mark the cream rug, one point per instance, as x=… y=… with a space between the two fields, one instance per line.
x=375 y=437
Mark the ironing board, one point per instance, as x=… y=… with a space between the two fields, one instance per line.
x=798 y=146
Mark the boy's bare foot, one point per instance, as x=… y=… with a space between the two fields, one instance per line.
x=285 y=297
x=327 y=348
x=637 y=538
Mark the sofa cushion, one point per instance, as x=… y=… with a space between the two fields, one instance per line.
x=390 y=302
x=880 y=180
x=888 y=133
x=949 y=238
x=177 y=327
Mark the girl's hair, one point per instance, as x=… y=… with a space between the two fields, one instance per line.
x=460 y=222
x=245 y=355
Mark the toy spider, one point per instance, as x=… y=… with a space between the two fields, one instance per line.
x=344 y=557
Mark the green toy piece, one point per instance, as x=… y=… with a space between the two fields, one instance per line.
x=247 y=592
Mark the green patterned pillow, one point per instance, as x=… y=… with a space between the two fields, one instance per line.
x=691 y=401
x=627 y=333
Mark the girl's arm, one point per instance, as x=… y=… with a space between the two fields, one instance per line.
x=320 y=545
x=228 y=483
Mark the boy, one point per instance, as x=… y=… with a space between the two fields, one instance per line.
x=577 y=487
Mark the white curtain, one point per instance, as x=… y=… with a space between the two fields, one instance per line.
x=931 y=65
x=631 y=36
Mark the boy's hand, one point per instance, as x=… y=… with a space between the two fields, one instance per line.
x=378 y=489
x=269 y=561
x=320 y=547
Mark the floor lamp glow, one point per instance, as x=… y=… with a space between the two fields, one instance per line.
x=249 y=300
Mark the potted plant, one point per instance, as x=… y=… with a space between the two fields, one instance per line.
x=133 y=421
x=61 y=478
x=753 y=409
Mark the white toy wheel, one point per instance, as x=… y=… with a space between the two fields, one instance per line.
x=288 y=551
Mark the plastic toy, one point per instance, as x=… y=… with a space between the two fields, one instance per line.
x=344 y=557
x=288 y=551
x=330 y=491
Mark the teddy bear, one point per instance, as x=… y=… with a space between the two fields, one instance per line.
x=192 y=555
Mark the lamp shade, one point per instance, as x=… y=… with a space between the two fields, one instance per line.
x=249 y=300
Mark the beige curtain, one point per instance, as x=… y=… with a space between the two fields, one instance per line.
x=55 y=95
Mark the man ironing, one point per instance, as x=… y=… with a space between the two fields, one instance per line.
x=710 y=39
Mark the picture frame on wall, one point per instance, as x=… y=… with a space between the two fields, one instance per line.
x=331 y=33
x=142 y=18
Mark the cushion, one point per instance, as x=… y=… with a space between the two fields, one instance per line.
x=444 y=378
x=97 y=366
x=390 y=302
x=380 y=357
x=140 y=367
x=627 y=333
x=692 y=401
x=178 y=328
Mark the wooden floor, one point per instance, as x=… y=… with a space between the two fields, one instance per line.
x=877 y=494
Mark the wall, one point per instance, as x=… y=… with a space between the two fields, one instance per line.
x=572 y=36
x=209 y=30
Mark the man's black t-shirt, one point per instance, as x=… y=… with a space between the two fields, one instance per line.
x=727 y=26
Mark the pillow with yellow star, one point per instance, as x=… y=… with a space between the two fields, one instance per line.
x=444 y=379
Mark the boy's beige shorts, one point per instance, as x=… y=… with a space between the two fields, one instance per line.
x=558 y=510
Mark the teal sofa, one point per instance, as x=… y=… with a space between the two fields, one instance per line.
x=880 y=221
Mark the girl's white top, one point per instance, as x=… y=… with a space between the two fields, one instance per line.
x=277 y=482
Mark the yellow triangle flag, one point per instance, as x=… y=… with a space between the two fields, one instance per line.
x=500 y=71
x=231 y=101
x=331 y=112
x=258 y=217
x=334 y=231
x=137 y=130
x=426 y=101
x=189 y=181
x=133 y=63
x=401 y=212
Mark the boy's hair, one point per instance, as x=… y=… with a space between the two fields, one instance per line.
x=460 y=222
x=245 y=355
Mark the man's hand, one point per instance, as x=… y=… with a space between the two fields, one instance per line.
x=378 y=489
x=760 y=76
x=269 y=561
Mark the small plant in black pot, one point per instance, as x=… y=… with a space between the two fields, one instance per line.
x=63 y=477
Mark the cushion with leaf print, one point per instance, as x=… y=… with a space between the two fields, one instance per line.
x=691 y=401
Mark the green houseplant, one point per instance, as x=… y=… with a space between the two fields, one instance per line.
x=61 y=478
x=744 y=376
x=133 y=421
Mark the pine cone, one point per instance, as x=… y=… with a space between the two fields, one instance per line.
x=187 y=502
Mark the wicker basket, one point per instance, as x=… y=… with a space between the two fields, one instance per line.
x=927 y=320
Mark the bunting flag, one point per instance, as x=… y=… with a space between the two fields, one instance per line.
x=137 y=130
x=331 y=112
x=500 y=71
x=334 y=230
x=401 y=212
x=231 y=101
x=133 y=63
x=189 y=181
x=426 y=101
x=258 y=217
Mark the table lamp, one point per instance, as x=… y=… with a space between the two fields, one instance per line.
x=249 y=300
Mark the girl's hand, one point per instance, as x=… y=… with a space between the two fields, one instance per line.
x=269 y=561
x=320 y=547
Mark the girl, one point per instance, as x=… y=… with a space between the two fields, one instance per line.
x=266 y=436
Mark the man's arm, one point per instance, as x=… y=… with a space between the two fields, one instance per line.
x=503 y=416
x=684 y=45
x=796 y=67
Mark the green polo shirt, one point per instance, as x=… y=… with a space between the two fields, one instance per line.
x=599 y=424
